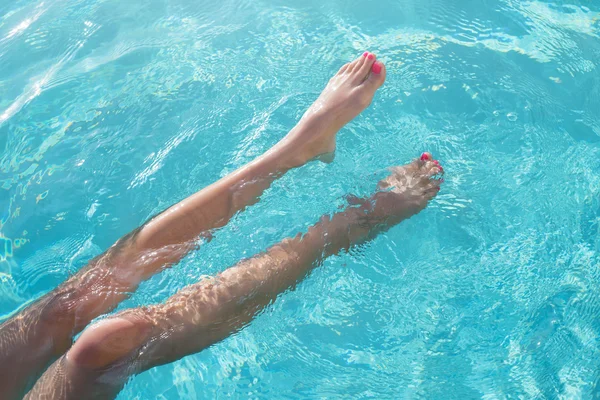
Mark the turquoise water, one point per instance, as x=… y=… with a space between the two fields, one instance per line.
x=112 y=110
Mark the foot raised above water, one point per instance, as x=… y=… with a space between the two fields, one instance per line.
x=346 y=95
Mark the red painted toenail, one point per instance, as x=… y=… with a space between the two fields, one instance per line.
x=424 y=157
x=366 y=54
x=376 y=68
x=370 y=56
x=436 y=162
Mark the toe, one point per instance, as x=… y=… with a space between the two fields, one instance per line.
x=362 y=71
x=356 y=63
x=426 y=156
x=432 y=179
x=428 y=166
x=433 y=168
x=428 y=163
x=377 y=75
x=437 y=168
x=423 y=160
x=343 y=69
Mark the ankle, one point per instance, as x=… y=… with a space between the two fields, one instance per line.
x=305 y=144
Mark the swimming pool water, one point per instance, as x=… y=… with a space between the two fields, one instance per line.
x=112 y=110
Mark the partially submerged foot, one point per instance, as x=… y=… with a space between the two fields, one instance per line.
x=408 y=189
x=347 y=94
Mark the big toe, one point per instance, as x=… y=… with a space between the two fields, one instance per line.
x=377 y=75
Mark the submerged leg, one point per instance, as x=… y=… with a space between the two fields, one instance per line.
x=209 y=311
x=43 y=331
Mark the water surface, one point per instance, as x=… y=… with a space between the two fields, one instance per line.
x=112 y=110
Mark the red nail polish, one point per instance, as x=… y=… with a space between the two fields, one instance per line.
x=436 y=162
x=366 y=53
x=376 y=68
x=370 y=56
x=424 y=157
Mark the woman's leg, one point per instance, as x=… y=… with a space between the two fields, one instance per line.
x=43 y=331
x=200 y=315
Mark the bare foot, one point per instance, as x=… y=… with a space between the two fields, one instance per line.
x=408 y=189
x=347 y=94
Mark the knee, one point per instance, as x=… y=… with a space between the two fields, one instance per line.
x=108 y=341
